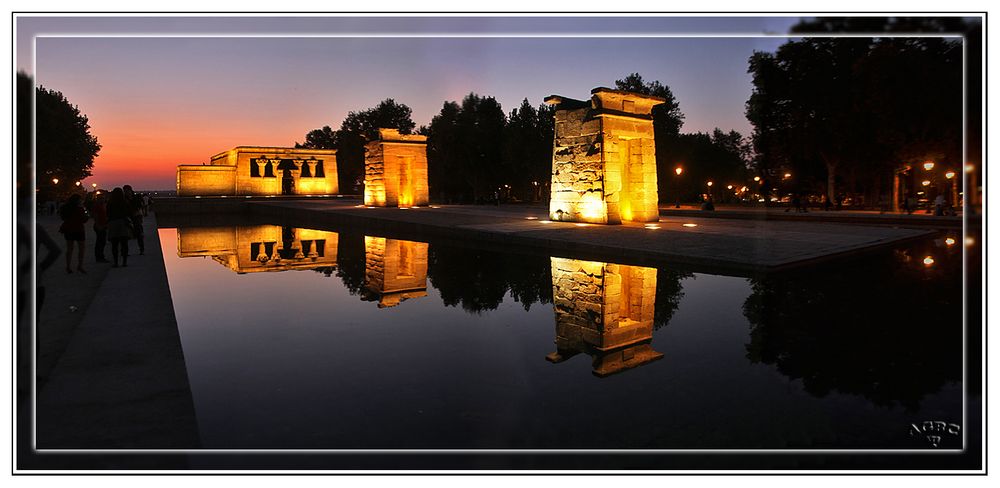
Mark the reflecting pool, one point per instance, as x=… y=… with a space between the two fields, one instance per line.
x=353 y=339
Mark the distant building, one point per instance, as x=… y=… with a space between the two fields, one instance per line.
x=257 y=248
x=254 y=170
x=604 y=158
x=396 y=170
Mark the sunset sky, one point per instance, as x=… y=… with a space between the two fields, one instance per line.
x=162 y=91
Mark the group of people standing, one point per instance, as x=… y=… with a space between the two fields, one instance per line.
x=117 y=219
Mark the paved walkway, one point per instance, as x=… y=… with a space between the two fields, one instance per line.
x=848 y=216
x=745 y=244
x=117 y=378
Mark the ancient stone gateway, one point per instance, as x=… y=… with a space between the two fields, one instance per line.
x=257 y=170
x=604 y=158
x=395 y=270
x=604 y=310
x=396 y=170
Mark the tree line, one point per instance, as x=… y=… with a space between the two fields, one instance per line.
x=477 y=152
x=854 y=116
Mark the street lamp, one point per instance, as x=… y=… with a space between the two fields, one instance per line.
x=710 y=183
x=55 y=181
x=93 y=185
x=788 y=175
x=925 y=182
x=756 y=178
x=928 y=165
x=678 y=170
x=77 y=183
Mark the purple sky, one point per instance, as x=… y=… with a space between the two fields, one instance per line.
x=160 y=100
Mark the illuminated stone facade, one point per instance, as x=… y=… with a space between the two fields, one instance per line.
x=395 y=270
x=604 y=158
x=252 y=249
x=252 y=170
x=604 y=310
x=396 y=170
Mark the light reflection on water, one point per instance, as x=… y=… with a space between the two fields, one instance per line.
x=457 y=349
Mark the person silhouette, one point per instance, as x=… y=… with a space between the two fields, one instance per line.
x=119 y=226
x=135 y=217
x=73 y=217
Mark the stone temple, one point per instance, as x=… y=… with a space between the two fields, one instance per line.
x=396 y=170
x=604 y=158
x=256 y=170
x=257 y=248
x=604 y=310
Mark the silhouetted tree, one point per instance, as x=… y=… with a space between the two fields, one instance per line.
x=64 y=147
x=720 y=157
x=528 y=149
x=357 y=129
x=465 y=143
x=851 y=111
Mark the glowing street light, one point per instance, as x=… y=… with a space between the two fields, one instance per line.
x=55 y=181
x=928 y=165
x=77 y=183
x=678 y=170
x=950 y=241
x=925 y=182
x=928 y=261
x=93 y=185
x=949 y=175
x=970 y=168
x=729 y=187
x=756 y=178
x=710 y=183
x=788 y=175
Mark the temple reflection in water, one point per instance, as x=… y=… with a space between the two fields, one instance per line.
x=395 y=270
x=251 y=249
x=604 y=310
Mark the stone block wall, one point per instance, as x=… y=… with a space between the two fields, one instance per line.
x=604 y=159
x=202 y=180
x=396 y=170
x=604 y=310
x=395 y=270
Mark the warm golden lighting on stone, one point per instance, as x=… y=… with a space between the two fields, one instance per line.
x=604 y=159
x=251 y=249
x=604 y=310
x=257 y=170
x=396 y=170
x=395 y=270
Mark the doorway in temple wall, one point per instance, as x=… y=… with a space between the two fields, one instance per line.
x=406 y=191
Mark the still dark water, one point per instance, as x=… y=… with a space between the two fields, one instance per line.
x=301 y=338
